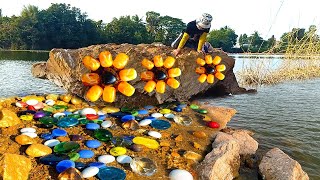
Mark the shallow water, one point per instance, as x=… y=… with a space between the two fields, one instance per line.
x=285 y=115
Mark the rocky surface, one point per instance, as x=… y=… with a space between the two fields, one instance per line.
x=14 y=167
x=222 y=162
x=65 y=68
x=278 y=165
x=8 y=118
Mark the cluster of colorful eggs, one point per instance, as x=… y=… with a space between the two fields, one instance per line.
x=108 y=75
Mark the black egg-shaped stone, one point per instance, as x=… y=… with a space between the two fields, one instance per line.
x=108 y=78
x=160 y=75
x=209 y=69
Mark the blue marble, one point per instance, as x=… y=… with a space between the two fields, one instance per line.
x=64 y=165
x=92 y=126
x=46 y=136
x=59 y=132
x=160 y=124
x=109 y=172
x=119 y=114
x=102 y=117
x=149 y=107
x=150 y=117
x=93 y=143
x=84 y=153
x=143 y=112
x=127 y=118
x=97 y=164
x=80 y=165
x=52 y=159
x=67 y=122
x=177 y=109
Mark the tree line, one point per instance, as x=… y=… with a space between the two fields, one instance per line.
x=63 y=26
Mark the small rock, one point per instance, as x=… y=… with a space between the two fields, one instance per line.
x=196 y=145
x=165 y=143
x=14 y=167
x=24 y=139
x=52 y=142
x=192 y=156
x=89 y=172
x=179 y=138
x=200 y=134
x=124 y=159
x=8 y=118
x=70 y=174
x=106 y=159
x=179 y=174
x=38 y=150
x=155 y=134
x=32 y=135
x=63 y=139
x=175 y=155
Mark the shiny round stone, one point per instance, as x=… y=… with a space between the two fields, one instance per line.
x=127 y=118
x=93 y=143
x=76 y=116
x=21 y=104
x=202 y=111
x=89 y=172
x=77 y=137
x=30 y=134
x=24 y=140
x=179 y=174
x=74 y=156
x=50 y=102
x=57 y=106
x=121 y=141
x=155 y=134
x=169 y=116
x=194 y=106
x=46 y=126
x=92 y=116
x=110 y=109
x=214 y=125
x=145 y=122
x=106 y=159
x=52 y=142
x=106 y=124
x=39 y=114
x=160 y=124
x=150 y=118
x=102 y=117
x=182 y=106
x=38 y=150
x=83 y=121
x=64 y=165
x=32 y=102
x=209 y=69
x=86 y=111
x=137 y=147
x=108 y=78
x=70 y=174
x=143 y=166
x=165 y=111
x=67 y=113
x=177 y=109
x=59 y=132
x=183 y=120
x=149 y=143
x=66 y=147
x=84 y=153
x=134 y=113
x=118 y=151
x=110 y=172
x=67 y=122
x=58 y=115
x=26 y=117
x=149 y=107
x=157 y=115
x=92 y=126
x=80 y=165
x=160 y=75
x=124 y=159
x=143 y=112
x=103 y=135
x=28 y=130
x=48 y=120
x=97 y=164
x=52 y=159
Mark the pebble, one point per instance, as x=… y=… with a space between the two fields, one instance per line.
x=157 y=115
x=179 y=174
x=118 y=151
x=26 y=117
x=160 y=124
x=70 y=174
x=38 y=106
x=89 y=172
x=86 y=111
x=143 y=166
x=150 y=118
x=84 y=153
x=59 y=114
x=97 y=164
x=52 y=142
x=169 y=116
x=143 y=112
x=28 y=130
x=39 y=114
x=145 y=122
x=32 y=102
x=106 y=159
x=102 y=117
x=213 y=125
x=38 y=150
x=67 y=122
x=124 y=159
x=137 y=147
x=199 y=134
x=155 y=134
x=64 y=165
x=24 y=139
x=74 y=156
x=110 y=109
x=110 y=172
x=92 y=116
x=132 y=125
x=32 y=135
x=59 y=132
x=92 y=126
x=80 y=165
x=103 y=135
x=194 y=106
x=192 y=156
x=165 y=111
x=50 y=102
x=93 y=143
x=77 y=137
x=183 y=120
x=106 y=124
x=127 y=118
x=21 y=104
x=66 y=147
x=52 y=159
x=150 y=143
x=177 y=109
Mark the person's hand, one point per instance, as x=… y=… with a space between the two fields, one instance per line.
x=176 y=52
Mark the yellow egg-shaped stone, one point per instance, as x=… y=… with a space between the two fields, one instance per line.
x=169 y=62
x=208 y=59
x=158 y=61
x=161 y=87
x=221 y=67
x=147 y=63
x=202 y=78
x=150 y=143
x=219 y=76
x=24 y=139
x=118 y=151
x=109 y=94
x=94 y=93
x=174 y=72
x=201 y=62
x=216 y=60
x=126 y=89
x=165 y=111
x=105 y=59
x=210 y=78
x=173 y=83
x=76 y=100
x=128 y=74
x=110 y=109
x=150 y=85
x=91 y=63
x=38 y=150
x=26 y=117
x=120 y=61
x=52 y=97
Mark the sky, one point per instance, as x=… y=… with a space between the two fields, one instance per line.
x=268 y=17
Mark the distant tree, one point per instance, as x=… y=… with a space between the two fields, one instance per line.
x=153 y=20
x=244 y=42
x=224 y=38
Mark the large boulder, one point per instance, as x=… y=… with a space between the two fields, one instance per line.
x=64 y=68
x=278 y=165
x=223 y=162
x=8 y=118
x=14 y=167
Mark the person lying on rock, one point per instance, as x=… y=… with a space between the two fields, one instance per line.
x=194 y=36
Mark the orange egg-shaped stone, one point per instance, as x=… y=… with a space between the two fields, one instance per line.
x=94 y=93
x=200 y=70
x=109 y=94
x=169 y=62
x=208 y=59
x=91 y=63
x=210 y=78
x=126 y=89
x=149 y=87
x=216 y=60
x=201 y=62
x=173 y=83
x=158 y=61
x=90 y=79
x=221 y=67
x=147 y=75
x=147 y=63
x=128 y=74
x=120 y=61
x=219 y=76
x=161 y=87
x=174 y=72
x=105 y=58
x=202 y=78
